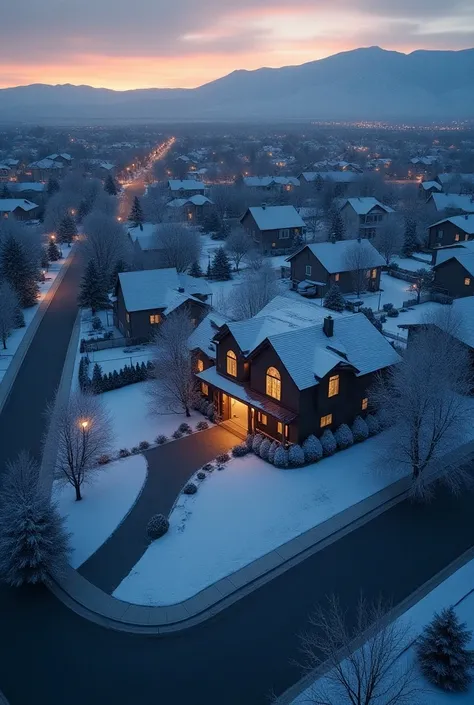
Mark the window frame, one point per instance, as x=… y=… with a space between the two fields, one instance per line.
x=273 y=383
x=467 y=281
x=364 y=404
x=262 y=418
x=151 y=318
x=333 y=386
x=231 y=363
x=308 y=267
x=205 y=389
x=200 y=365
x=284 y=234
x=337 y=276
x=325 y=421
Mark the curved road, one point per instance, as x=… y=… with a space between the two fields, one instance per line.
x=50 y=656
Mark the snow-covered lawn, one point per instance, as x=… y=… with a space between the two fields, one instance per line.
x=106 y=501
x=112 y=359
x=17 y=335
x=245 y=511
x=415 y=314
x=449 y=592
x=394 y=291
x=413 y=264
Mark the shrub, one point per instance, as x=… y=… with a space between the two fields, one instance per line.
x=296 y=456
x=161 y=439
x=185 y=428
x=124 y=453
x=157 y=527
x=328 y=443
x=393 y=313
x=313 y=450
x=383 y=319
x=96 y=323
x=272 y=451
x=373 y=424
x=249 y=441
x=220 y=467
x=360 y=430
x=257 y=442
x=240 y=450
x=190 y=488
x=104 y=459
x=135 y=450
x=223 y=458
x=394 y=265
x=202 y=425
x=403 y=310
x=387 y=307
x=208 y=467
x=143 y=445
x=280 y=459
x=177 y=434
x=210 y=411
x=344 y=437
x=264 y=448
x=201 y=475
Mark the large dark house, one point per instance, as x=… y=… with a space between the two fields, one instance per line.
x=18 y=208
x=454 y=270
x=142 y=300
x=451 y=230
x=274 y=228
x=347 y=263
x=294 y=370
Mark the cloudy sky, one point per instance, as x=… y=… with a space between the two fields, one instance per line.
x=168 y=43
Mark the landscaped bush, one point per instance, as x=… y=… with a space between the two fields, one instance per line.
x=383 y=319
x=328 y=442
x=104 y=459
x=202 y=426
x=124 y=453
x=157 y=526
x=373 y=424
x=296 y=456
x=360 y=430
x=106 y=382
x=159 y=440
x=143 y=445
x=387 y=307
x=264 y=448
x=272 y=450
x=96 y=323
x=135 y=450
x=185 y=428
x=210 y=411
x=280 y=459
x=190 y=488
x=393 y=313
x=223 y=458
x=249 y=441
x=177 y=434
x=344 y=437
x=201 y=475
x=394 y=265
x=208 y=467
x=257 y=442
x=240 y=450
x=313 y=450
x=219 y=466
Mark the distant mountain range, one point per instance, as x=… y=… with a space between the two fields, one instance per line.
x=363 y=84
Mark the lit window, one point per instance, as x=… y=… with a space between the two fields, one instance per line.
x=204 y=388
x=273 y=383
x=262 y=418
x=155 y=318
x=365 y=403
x=467 y=281
x=456 y=237
x=279 y=427
x=232 y=363
x=308 y=270
x=374 y=274
x=326 y=420
x=333 y=386
x=337 y=277
x=200 y=365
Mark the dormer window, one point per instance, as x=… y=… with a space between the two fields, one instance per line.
x=273 y=383
x=333 y=389
x=231 y=363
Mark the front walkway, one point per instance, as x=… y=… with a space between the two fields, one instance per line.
x=169 y=467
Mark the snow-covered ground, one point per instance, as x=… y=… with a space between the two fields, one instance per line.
x=112 y=359
x=411 y=264
x=245 y=511
x=415 y=314
x=394 y=291
x=457 y=588
x=106 y=501
x=17 y=335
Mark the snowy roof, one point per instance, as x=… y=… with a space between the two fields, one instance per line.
x=461 y=312
x=149 y=288
x=46 y=164
x=465 y=258
x=8 y=205
x=194 y=285
x=337 y=176
x=426 y=185
x=26 y=186
x=444 y=253
x=463 y=222
x=446 y=178
x=175 y=299
x=461 y=202
x=202 y=336
x=5 y=167
x=265 y=181
x=145 y=235
x=197 y=200
x=335 y=256
x=186 y=185
x=364 y=205
x=64 y=155
x=276 y=217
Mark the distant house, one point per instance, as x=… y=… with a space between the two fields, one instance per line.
x=345 y=182
x=18 y=208
x=186 y=188
x=43 y=169
x=462 y=203
x=147 y=251
x=28 y=190
x=63 y=158
x=274 y=228
x=457 y=183
x=451 y=230
x=142 y=300
x=193 y=209
x=271 y=183
x=364 y=216
x=317 y=266
x=426 y=188
x=454 y=275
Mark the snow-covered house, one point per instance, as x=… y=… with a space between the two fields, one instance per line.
x=28 y=190
x=271 y=183
x=449 y=231
x=5 y=173
x=185 y=188
x=294 y=370
x=363 y=216
x=142 y=300
x=426 y=188
x=201 y=341
x=456 y=183
x=318 y=266
x=192 y=209
x=274 y=228
x=43 y=169
x=344 y=182
x=441 y=202
x=18 y=208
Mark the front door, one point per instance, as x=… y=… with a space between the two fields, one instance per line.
x=239 y=413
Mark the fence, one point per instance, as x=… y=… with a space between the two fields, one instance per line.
x=113 y=343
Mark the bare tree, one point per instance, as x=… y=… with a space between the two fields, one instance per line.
x=173 y=386
x=238 y=244
x=180 y=246
x=256 y=290
x=424 y=401
x=106 y=242
x=8 y=311
x=358 y=260
x=363 y=662
x=82 y=429
x=389 y=238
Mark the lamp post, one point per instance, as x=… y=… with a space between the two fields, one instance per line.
x=380 y=297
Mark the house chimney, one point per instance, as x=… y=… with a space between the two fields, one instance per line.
x=328 y=326
x=264 y=205
x=181 y=289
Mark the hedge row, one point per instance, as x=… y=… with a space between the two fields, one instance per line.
x=103 y=382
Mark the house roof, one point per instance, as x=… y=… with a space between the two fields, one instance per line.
x=265 y=181
x=336 y=176
x=8 y=205
x=64 y=155
x=463 y=222
x=462 y=202
x=364 y=205
x=444 y=253
x=465 y=259
x=186 y=185
x=335 y=256
x=46 y=163
x=194 y=285
x=426 y=185
x=145 y=236
x=149 y=288
x=18 y=186
x=202 y=336
x=197 y=200
x=446 y=178
x=276 y=217
x=461 y=310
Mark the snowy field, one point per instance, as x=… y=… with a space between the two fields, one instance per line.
x=411 y=264
x=415 y=314
x=112 y=359
x=449 y=592
x=105 y=502
x=17 y=335
x=245 y=511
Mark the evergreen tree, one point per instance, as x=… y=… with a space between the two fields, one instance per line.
x=221 y=268
x=67 y=229
x=337 y=229
x=19 y=271
x=334 y=300
x=209 y=269
x=109 y=186
x=211 y=223
x=120 y=266
x=5 y=192
x=442 y=652
x=195 y=269
x=53 y=251
x=83 y=210
x=83 y=374
x=52 y=187
x=97 y=379
x=44 y=259
x=93 y=293
x=410 y=240
x=136 y=214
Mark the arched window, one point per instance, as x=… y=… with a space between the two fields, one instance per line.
x=231 y=363
x=273 y=383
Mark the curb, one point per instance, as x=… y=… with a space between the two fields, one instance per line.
x=9 y=378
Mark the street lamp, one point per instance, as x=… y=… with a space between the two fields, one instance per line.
x=84 y=425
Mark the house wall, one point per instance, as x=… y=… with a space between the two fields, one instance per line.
x=450 y=278
x=445 y=234
x=227 y=343
x=290 y=394
x=319 y=273
x=270 y=239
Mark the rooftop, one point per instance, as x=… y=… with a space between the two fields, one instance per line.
x=364 y=205
x=8 y=205
x=276 y=217
x=336 y=256
x=186 y=185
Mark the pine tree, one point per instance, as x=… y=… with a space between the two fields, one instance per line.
x=109 y=186
x=221 y=268
x=93 y=293
x=53 y=251
x=195 y=270
x=44 y=259
x=120 y=266
x=97 y=379
x=52 y=187
x=211 y=223
x=5 y=192
x=83 y=374
x=334 y=300
x=67 y=229
x=136 y=214
x=410 y=241
x=19 y=271
x=83 y=210
x=209 y=269
x=337 y=229
x=442 y=652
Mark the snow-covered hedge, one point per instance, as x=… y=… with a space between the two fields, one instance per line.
x=240 y=450
x=157 y=526
x=373 y=424
x=360 y=430
x=281 y=458
x=328 y=442
x=272 y=451
x=296 y=456
x=256 y=443
x=265 y=448
x=344 y=437
x=249 y=441
x=313 y=450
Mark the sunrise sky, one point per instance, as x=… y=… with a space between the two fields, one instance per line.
x=125 y=44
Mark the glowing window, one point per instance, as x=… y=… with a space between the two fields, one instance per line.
x=337 y=277
x=456 y=237
x=467 y=281
x=155 y=318
x=333 y=386
x=279 y=427
x=365 y=403
x=273 y=383
x=200 y=365
x=204 y=388
x=374 y=274
x=262 y=418
x=231 y=363
x=326 y=420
